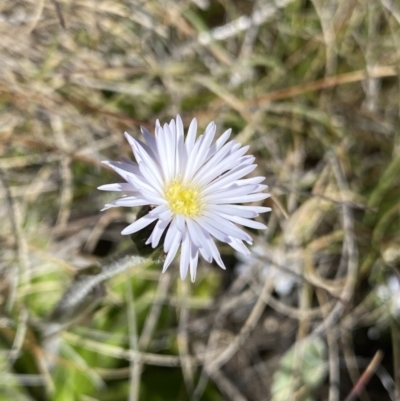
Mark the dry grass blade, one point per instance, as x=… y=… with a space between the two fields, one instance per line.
x=328 y=82
x=59 y=13
x=366 y=376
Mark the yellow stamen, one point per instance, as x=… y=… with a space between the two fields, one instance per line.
x=183 y=199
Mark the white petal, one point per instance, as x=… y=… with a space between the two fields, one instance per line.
x=239 y=210
x=229 y=192
x=219 y=143
x=242 y=183
x=244 y=222
x=146 y=187
x=150 y=140
x=150 y=177
x=214 y=231
x=158 y=231
x=212 y=248
x=229 y=178
x=204 y=148
x=172 y=127
x=192 y=158
x=170 y=152
x=193 y=229
x=238 y=245
x=151 y=163
x=225 y=164
x=123 y=169
x=134 y=143
x=194 y=259
x=191 y=136
x=162 y=155
x=204 y=249
x=179 y=127
x=226 y=226
x=123 y=186
x=234 y=160
x=181 y=154
x=167 y=215
x=180 y=222
x=234 y=210
x=138 y=225
x=171 y=234
x=173 y=249
x=127 y=161
x=258 y=209
x=158 y=211
x=202 y=175
x=130 y=201
x=130 y=139
x=153 y=200
x=252 y=180
x=244 y=198
x=260 y=187
x=185 y=256
x=107 y=206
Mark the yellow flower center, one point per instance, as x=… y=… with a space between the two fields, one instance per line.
x=183 y=199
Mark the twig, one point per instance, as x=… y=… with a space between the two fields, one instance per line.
x=146 y=334
x=65 y=173
x=136 y=368
x=395 y=331
x=227 y=304
x=223 y=383
x=352 y=251
x=350 y=360
x=329 y=82
x=21 y=251
x=183 y=343
x=152 y=317
x=333 y=354
x=59 y=13
x=366 y=377
x=245 y=331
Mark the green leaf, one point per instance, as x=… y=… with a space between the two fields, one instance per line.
x=303 y=367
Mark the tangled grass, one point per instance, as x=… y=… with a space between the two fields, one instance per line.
x=313 y=87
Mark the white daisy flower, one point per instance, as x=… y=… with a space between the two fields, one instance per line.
x=194 y=187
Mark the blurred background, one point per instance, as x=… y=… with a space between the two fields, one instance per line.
x=312 y=87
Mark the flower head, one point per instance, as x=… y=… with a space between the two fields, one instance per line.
x=194 y=187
